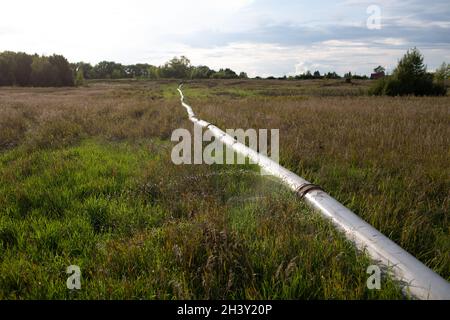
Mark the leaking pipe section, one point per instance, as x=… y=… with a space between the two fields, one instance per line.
x=419 y=281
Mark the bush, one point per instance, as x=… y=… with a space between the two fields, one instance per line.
x=392 y=86
x=410 y=77
x=378 y=87
x=439 y=89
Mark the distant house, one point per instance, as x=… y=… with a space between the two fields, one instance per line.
x=377 y=75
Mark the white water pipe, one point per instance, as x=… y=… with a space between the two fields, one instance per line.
x=419 y=281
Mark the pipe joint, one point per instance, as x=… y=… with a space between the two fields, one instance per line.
x=305 y=188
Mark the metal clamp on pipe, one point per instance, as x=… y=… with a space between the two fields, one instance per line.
x=305 y=188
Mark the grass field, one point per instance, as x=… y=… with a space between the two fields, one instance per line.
x=86 y=179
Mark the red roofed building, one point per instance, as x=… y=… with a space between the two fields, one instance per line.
x=377 y=75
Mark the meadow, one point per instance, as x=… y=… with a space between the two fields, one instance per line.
x=86 y=179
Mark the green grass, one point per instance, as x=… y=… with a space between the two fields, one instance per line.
x=86 y=179
x=100 y=206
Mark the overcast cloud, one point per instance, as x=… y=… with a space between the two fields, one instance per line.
x=261 y=37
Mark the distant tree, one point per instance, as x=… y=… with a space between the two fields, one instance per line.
x=118 y=72
x=139 y=70
x=4 y=72
x=230 y=74
x=217 y=74
x=153 y=72
x=51 y=71
x=442 y=73
x=409 y=77
x=15 y=68
x=201 y=72
x=411 y=67
x=243 y=75
x=305 y=76
x=22 y=72
x=331 y=75
x=64 y=74
x=109 y=70
x=7 y=67
x=104 y=70
x=317 y=74
x=79 y=78
x=379 y=69
x=179 y=68
x=85 y=67
x=132 y=71
x=225 y=74
x=43 y=73
x=23 y=69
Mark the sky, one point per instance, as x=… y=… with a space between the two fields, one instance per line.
x=260 y=37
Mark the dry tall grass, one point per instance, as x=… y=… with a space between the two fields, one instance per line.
x=56 y=117
x=86 y=178
x=386 y=158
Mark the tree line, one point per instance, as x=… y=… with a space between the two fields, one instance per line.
x=308 y=75
x=33 y=70
x=177 y=68
x=22 y=69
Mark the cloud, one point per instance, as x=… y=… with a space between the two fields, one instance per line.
x=261 y=37
x=266 y=59
x=391 y=41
